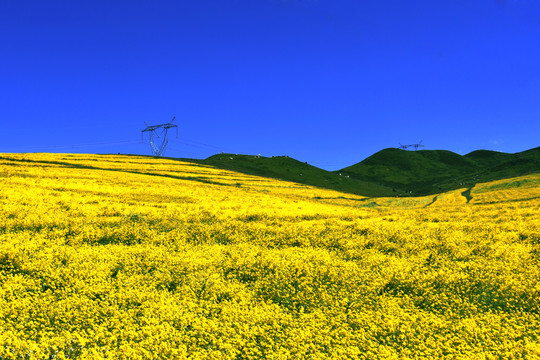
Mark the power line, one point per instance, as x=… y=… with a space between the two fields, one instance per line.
x=201 y=145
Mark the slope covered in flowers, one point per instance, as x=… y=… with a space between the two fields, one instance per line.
x=134 y=257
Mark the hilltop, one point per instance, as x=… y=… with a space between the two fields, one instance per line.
x=289 y=169
x=432 y=171
x=391 y=171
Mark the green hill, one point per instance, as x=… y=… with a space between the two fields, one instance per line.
x=431 y=171
x=400 y=167
x=289 y=169
x=488 y=158
x=390 y=172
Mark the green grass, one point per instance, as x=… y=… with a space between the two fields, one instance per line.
x=390 y=172
x=289 y=169
x=433 y=171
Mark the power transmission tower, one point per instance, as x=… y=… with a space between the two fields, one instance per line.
x=416 y=146
x=154 y=131
x=404 y=147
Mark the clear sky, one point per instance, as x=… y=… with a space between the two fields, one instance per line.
x=329 y=82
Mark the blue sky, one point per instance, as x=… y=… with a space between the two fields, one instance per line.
x=329 y=82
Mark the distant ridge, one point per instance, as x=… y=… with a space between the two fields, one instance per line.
x=431 y=171
x=390 y=172
x=289 y=169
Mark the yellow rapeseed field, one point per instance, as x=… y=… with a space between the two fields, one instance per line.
x=126 y=257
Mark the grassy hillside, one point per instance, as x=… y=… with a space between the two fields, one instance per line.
x=289 y=169
x=126 y=257
x=433 y=171
x=487 y=158
x=389 y=172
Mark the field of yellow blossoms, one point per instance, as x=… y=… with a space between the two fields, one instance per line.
x=126 y=257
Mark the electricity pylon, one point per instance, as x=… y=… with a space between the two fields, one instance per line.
x=415 y=146
x=164 y=134
x=404 y=147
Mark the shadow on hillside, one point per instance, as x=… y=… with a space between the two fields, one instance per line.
x=298 y=173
